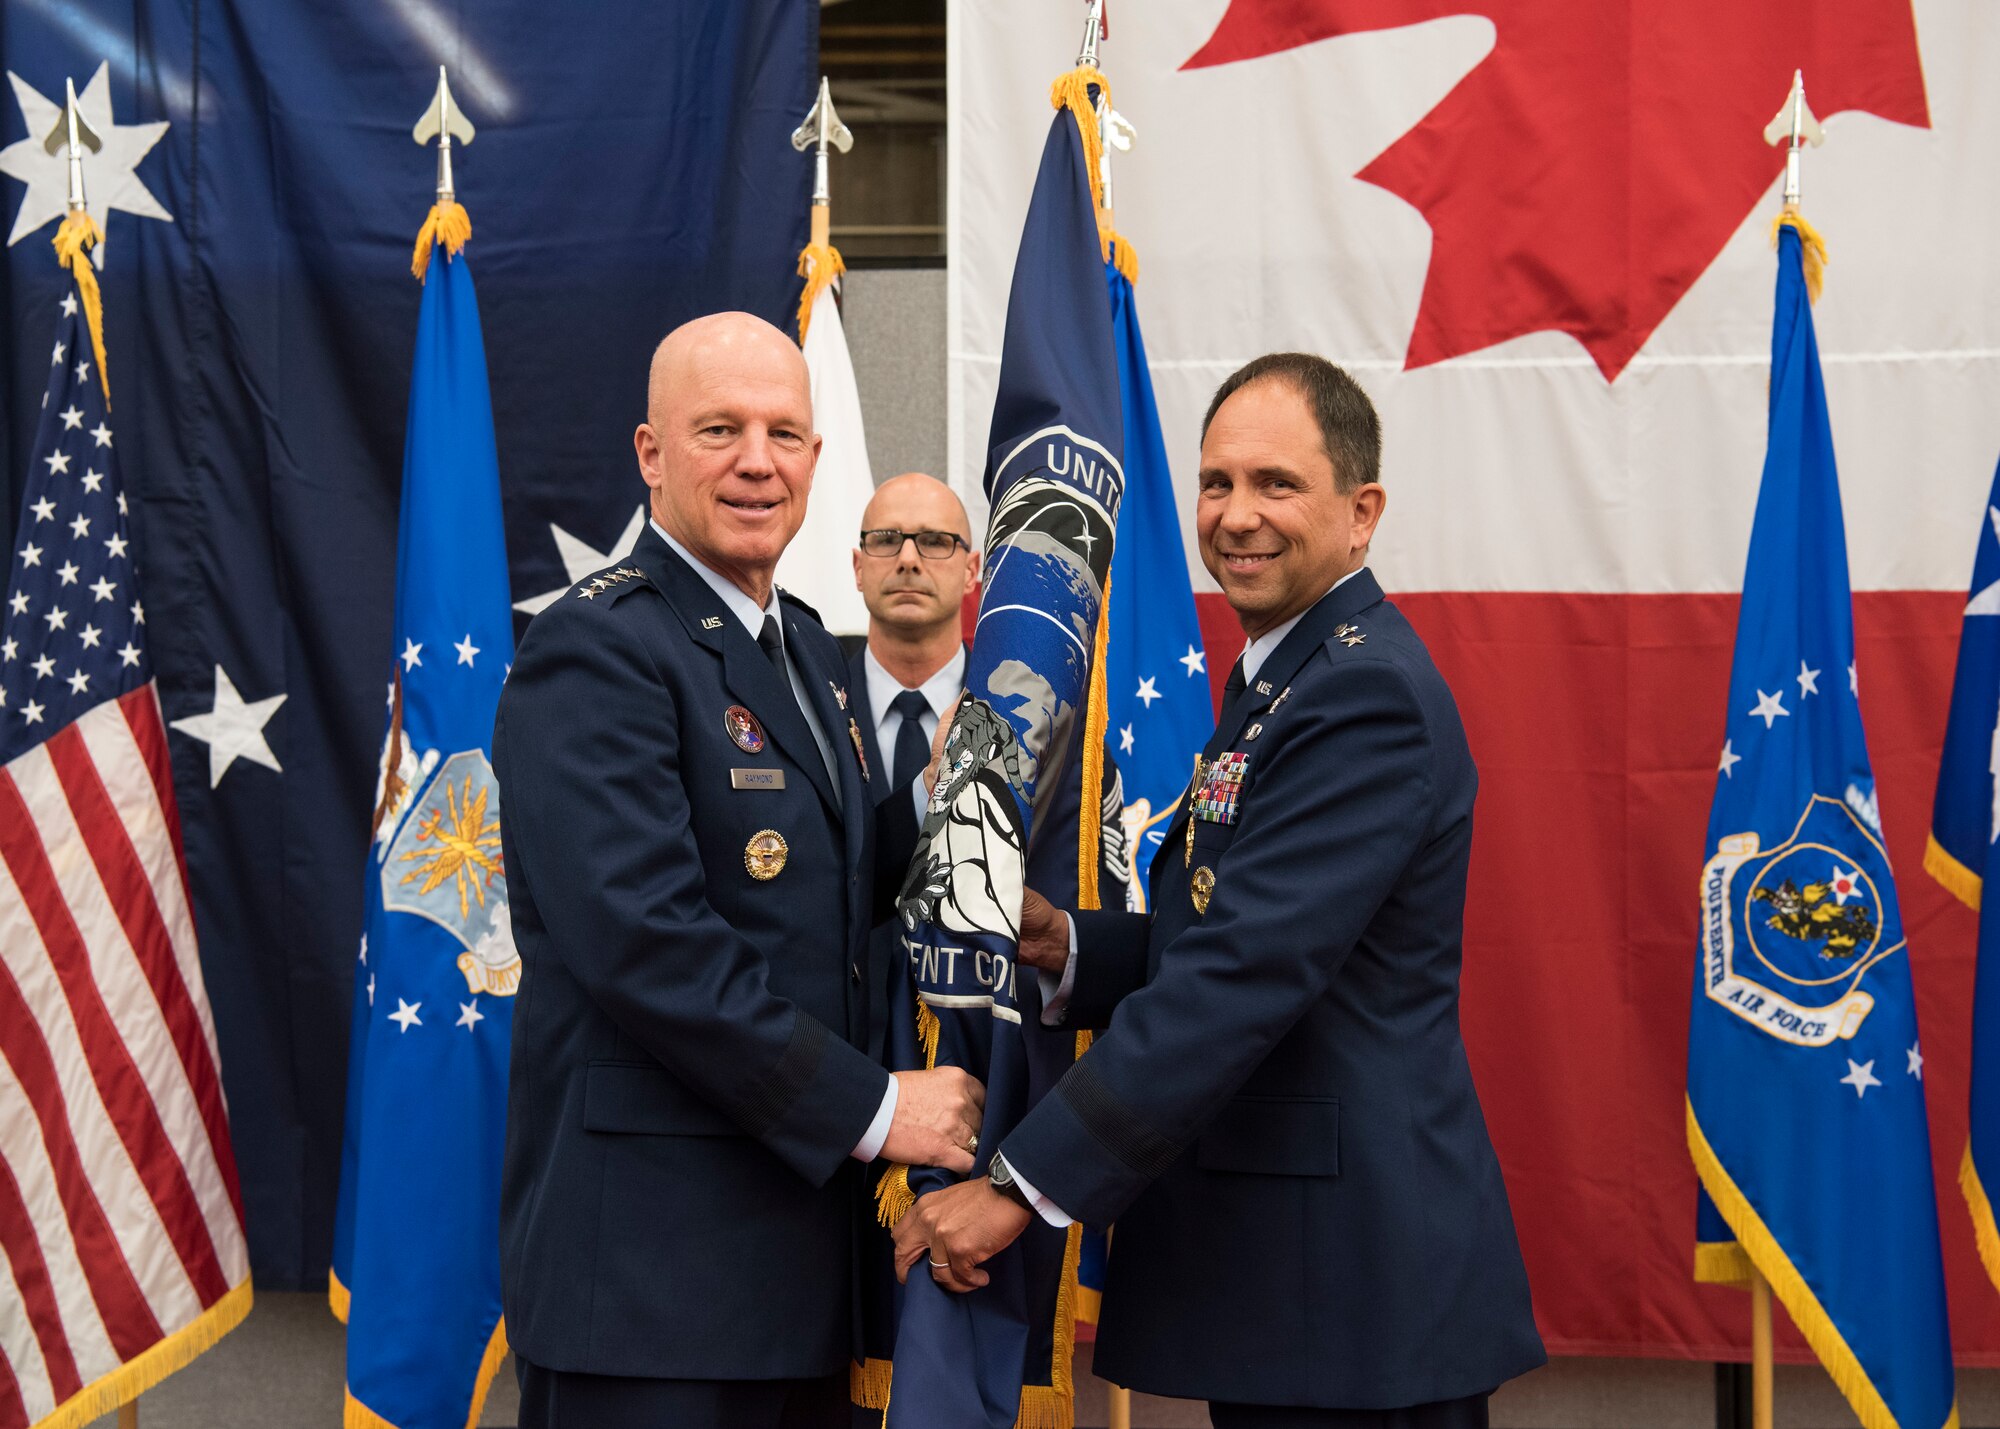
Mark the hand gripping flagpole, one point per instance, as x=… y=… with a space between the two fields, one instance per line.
x=820 y=262
x=448 y=223
x=1795 y=127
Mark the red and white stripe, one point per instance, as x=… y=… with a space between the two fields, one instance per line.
x=121 y=1223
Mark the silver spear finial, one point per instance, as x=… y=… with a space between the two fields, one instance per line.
x=1795 y=127
x=73 y=132
x=443 y=121
x=1093 y=32
x=821 y=131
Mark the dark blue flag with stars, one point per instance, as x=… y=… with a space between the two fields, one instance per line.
x=416 y=1267
x=1805 y=1112
x=1053 y=480
x=70 y=637
x=1156 y=685
x=1964 y=846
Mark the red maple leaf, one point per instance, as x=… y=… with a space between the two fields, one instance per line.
x=1586 y=171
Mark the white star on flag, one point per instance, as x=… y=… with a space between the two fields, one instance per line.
x=1196 y=662
x=1916 y=1067
x=1730 y=759
x=100 y=431
x=73 y=418
x=78 y=682
x=92 y=480
x=579 y=560
x=113 y=182
x=412 y=655
x=1125 y=739
x=1769 y=707
x=466 y=649
x=1860 y=1076
x=406 y=1013
x=58 y=463
x=1845 y=883
x=31 y=554
x=44 y=666
x=1853 y=679
x=232 y=730
x=1808 y=680
x=102 y=588
x=469 y=1013
x=1147 y=693
x=43 y=509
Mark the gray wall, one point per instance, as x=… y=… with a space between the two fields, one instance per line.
x=895 y=334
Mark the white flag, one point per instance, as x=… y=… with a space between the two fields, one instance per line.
x=818 y=566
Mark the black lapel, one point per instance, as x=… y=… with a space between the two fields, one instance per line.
x=822 y=680
x=1334 y=609
x=746 y=672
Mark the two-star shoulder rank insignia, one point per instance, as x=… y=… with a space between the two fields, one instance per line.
x=596 y=585
x=1349 y=635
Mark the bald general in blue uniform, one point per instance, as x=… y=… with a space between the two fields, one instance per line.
x=694 y=859
x=1312 y=1232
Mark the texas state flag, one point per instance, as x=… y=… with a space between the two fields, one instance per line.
x=1539 y=236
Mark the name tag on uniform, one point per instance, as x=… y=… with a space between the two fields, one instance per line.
x=756 y=778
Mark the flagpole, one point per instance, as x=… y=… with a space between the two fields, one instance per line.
x=1760 y=1351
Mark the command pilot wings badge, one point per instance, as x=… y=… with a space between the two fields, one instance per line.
x=1789 y=933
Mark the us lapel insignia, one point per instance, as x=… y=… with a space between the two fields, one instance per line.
x=1263 y=687
x=743 y=729
x=711 y=622
x=860 y=754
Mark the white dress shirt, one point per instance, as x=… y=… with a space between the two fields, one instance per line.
x=1056 y=990
x=940 y=693
x=752 y=615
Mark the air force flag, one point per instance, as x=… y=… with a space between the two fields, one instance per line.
x=1054 y=480
x=1965 y=824
x=416 y=1270
x=1805 y=1111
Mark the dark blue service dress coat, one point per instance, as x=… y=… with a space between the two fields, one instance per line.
x=1280 y=1117
x=678 y=1197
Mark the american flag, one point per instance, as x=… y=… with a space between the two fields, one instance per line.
x=120 y=1218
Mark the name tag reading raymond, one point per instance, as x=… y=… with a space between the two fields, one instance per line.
x=756 y=778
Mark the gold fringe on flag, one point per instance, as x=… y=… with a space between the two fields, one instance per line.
x=1123 y=257
x=448 y=224
x=73 y=241
x=1983 y=1228
x=1072 y=92
x=1812 y=248
x=1090 y=819
x=1961 y=882
x=819 y=265
x=151 y=1365
x=893 y=1196
x=357 y=1415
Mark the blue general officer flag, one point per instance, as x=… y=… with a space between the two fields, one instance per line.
x=1156 y=673
x=416 y=1269
x=1965 y=821
x=1053 y=478
x=1805 y=1110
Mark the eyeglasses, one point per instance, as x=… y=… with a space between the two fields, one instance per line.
x=931 y=545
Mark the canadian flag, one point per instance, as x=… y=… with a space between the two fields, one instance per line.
x=1538 y=231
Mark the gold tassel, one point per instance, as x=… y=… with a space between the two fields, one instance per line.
x=1961 y=882
x=819 y=265
x=78 y=234
x=893 y=1196
x=1072 y=92
x=928 y=1031
x=448 y=224
x=868 y=1384
x=1123 y=257
x=1812 y=248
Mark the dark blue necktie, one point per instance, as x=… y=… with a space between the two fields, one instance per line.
x=913 y=750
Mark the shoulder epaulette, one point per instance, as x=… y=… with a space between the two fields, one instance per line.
x=614 y=582
x=784 y=594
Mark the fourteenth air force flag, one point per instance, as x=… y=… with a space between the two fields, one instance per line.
x=1805 y=1110
x=1054 y=480
x=416 y=1271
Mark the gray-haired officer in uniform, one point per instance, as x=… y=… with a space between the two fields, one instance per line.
x=693 y=863
x=1312 y=1229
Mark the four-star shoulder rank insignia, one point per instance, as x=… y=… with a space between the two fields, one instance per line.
x=591 y=588
x=1349 y=635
